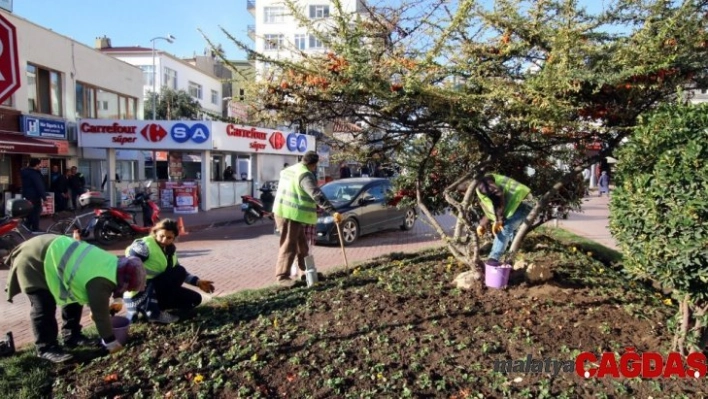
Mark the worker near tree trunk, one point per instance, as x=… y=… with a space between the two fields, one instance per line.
x=503 y=202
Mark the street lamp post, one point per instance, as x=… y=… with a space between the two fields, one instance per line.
x=168 y=39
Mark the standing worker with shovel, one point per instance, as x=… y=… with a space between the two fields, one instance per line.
x=295 y=206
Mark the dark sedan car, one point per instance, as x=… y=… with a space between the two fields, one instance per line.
x=367 y=206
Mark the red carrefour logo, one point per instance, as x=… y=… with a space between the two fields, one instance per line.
x=153 y=132
x=277 y=141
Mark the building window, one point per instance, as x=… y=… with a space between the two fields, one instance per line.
x=315 y=42
x=93 y=102
x=85 y=101
x=44 y=94
x=170 y=78
x=127 y=107
x=148 y=75
x=108 y=105
x=273 y=42
x=273 y=15
x=300 y=42
x=195 y=90
x=132 y=110
x=317 y=12
x=215 y=97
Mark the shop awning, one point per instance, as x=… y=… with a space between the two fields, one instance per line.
x=17 y=143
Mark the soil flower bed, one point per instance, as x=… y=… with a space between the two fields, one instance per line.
x=394 y=327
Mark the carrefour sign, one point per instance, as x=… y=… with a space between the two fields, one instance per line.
x=242 y=138
x=148 y=135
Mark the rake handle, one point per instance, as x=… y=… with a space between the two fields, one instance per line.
x=341 y=245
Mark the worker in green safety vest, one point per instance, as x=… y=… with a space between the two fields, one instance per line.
x=57 y=270
x=165 y=277
x=503 y=201
x=295 y=207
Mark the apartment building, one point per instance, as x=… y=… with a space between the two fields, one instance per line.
x=279 y=35
x=61 y=81
x=160 y=68
x=234 y=76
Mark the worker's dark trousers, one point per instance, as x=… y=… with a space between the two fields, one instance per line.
x=44 y=322
x=168 y=290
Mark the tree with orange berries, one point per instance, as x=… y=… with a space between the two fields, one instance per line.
x=456 y=89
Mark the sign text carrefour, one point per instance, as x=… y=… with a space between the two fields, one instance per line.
x=233 y=137
x=135 y=134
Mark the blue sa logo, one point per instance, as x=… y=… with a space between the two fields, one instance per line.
x=296 y=142
x=182 y=133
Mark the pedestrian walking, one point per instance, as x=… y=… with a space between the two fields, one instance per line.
x=33 y=190
x=604 y=183
x=77 y=184
x=60 y=188
x=344 y=171
x=586 y=180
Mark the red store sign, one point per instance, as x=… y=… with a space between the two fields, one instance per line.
x=252 y=139
x=252 y=133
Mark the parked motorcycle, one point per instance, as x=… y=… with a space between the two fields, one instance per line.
x=114 y=224
x=12 y=231
x=255 y=209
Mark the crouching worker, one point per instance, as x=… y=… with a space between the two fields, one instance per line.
x=57 y=270
x=165 y=277
x=502 y=200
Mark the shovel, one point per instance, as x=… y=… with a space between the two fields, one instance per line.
x=341 y=245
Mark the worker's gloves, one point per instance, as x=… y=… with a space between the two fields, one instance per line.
x=113 y=346
x=481 y=230
x=497 y=227
x=206 y=286
x=116 y=306
x=337 y=217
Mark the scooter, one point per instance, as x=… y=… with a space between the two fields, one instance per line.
x=113 y=224
x=255 y=209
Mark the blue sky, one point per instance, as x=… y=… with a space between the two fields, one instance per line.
x=135 y=22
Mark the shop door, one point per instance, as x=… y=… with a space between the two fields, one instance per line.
x=217 y=167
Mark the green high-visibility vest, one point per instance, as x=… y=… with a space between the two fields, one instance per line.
x=69 y=265
x=156 y=262
x=514 y=194
x=291 y=201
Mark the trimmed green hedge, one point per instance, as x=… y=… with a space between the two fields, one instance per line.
x=659 y=211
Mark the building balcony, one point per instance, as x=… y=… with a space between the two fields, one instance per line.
x=251 y=29
x=251 y=6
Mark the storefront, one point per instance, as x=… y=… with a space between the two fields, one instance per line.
x=22 y=138
x=176 y=140
x=255 y=155
x=193 y=154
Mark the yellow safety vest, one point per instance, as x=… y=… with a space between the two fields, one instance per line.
x=69 y=265
x=291 y=201
x=155 y=264
x=514 y=194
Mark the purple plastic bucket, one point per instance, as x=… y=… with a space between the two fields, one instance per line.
x=496 y=276
x=121 y=325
